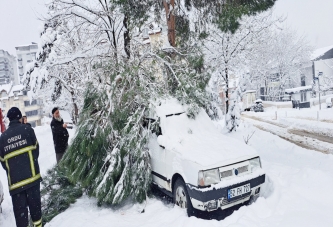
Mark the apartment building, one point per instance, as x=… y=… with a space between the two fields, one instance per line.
x=8 y=68
x=15 y=95
x=25 y=54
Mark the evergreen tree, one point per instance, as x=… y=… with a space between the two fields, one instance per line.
x=108 y=155
x=57 y=193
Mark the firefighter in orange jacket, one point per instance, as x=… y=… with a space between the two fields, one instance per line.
x=19 y=151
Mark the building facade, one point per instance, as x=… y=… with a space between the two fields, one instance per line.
x=15 y=95
x=25 y=54
x=323 y=70
x=8 y=68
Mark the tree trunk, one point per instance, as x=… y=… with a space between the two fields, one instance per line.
x=171 y=21
x=76 y=113
x=127 y=39
x=266 y=90
x=226 y=79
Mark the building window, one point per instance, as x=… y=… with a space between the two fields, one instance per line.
x=302 y=80
x=31 y=113
x=27 y=103
x=303 y=96
x=32 y=123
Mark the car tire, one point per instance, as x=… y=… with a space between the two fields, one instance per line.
x=181 y=197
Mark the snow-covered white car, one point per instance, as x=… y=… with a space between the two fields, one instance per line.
x=197 y=165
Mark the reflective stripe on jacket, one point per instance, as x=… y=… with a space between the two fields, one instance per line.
x=19 y=151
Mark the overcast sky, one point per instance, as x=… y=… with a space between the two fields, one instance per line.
x=19 y=24
x=313 y=18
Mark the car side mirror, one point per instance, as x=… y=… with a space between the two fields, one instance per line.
x=161 y=141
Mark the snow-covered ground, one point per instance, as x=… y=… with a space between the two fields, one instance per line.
x=297 y=192
x=309 y=127
x=314 y=113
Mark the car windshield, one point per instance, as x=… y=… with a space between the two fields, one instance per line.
x=180 y=124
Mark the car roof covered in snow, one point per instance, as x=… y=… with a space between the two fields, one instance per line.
x=198 y=140
x=168 y=106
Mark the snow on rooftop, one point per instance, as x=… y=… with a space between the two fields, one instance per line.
x=320 y=52
x=250 y=91
x=10 y=89
x=31 y=45
x=298 y=89
x=15 y=88
x=18 y=87
x=6 y=87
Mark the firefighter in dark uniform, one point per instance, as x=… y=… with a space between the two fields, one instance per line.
x=19 y=151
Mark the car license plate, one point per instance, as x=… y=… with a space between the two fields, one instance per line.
x=234 y=192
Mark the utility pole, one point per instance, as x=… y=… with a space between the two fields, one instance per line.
x=319 y=74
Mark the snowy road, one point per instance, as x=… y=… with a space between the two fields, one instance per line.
x=298 y=192
x=308 y=134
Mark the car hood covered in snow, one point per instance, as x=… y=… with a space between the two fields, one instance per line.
x=199 y=141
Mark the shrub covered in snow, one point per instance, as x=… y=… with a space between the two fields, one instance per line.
x=57 y=193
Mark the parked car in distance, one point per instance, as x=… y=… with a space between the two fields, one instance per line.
x=258 y=106
x=198 y=166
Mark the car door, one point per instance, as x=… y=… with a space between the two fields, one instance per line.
x=158 y=164
x=157 y=154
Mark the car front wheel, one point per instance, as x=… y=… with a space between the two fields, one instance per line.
x=181 y=197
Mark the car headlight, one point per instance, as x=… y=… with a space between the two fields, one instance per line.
x=208 y=177
x=255 y=164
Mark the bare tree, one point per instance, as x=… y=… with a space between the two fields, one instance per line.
x=277 y=59
x=227 y=52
